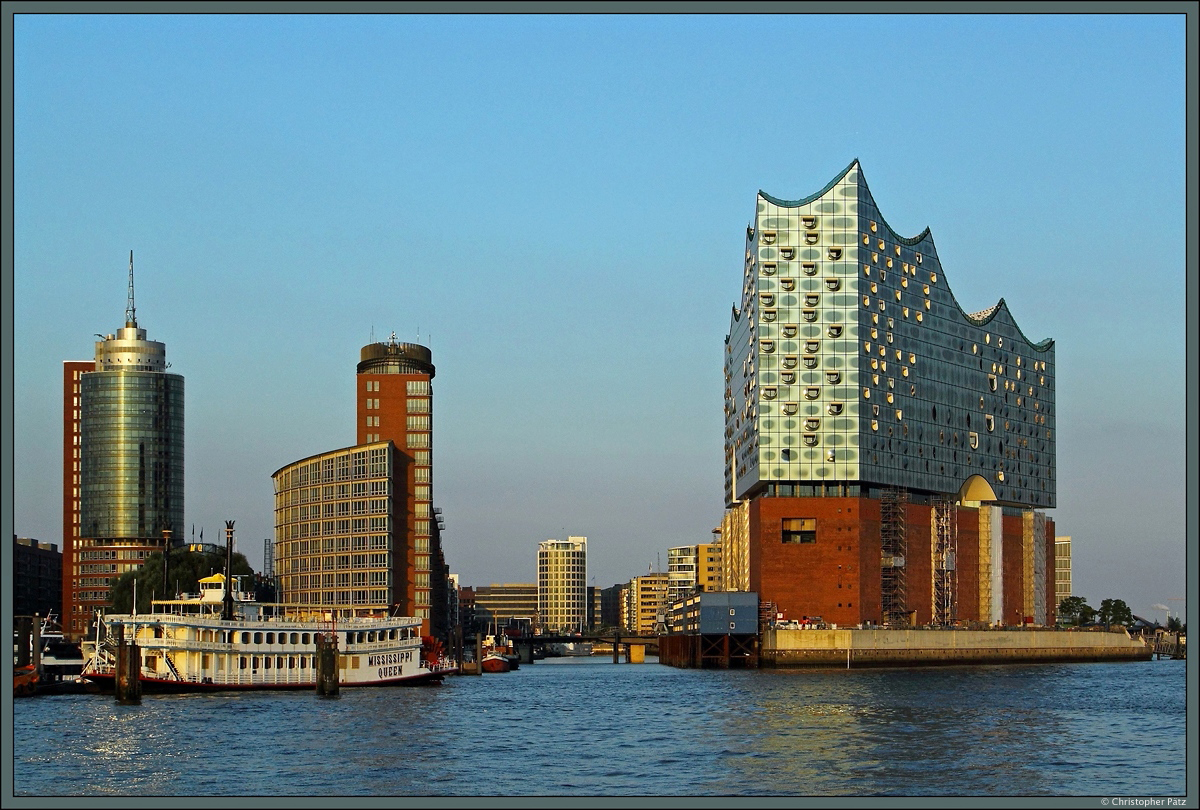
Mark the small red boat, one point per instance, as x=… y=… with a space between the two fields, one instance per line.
x=494 y=662
x=25 y=681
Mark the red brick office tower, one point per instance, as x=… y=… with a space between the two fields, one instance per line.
x=395 y=402
x=888 y=455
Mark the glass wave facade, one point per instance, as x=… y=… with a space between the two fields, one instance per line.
x=849 y=362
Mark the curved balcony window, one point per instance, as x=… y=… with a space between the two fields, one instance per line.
x=810 y=315
x=768 y=315
x=810 y=361
x=810 y=440
x=768 y=346
x=829 y=456
x=788 y=253
x=835 y=253
x=811 y=238
x=992 y=381
x=973 y=440
x=808 y=222
x=918 y=258
x=874 y=287
x=770 y=392
x=866 y=393
x=904 y=283
x=874 y=424
x=926 y=289
x=767 y=299
x=874 y=227
x=812 y=424
x=899 y=415
x=880 y=245
x=812 y=392
x=812 y=346
x=905 y=311
x=789 y=330
x=1000 y=475
x=897 y=295
x=897 y=249
x=833 y=284
x=866 y=239
x=768 y=237
x=834 y=408
x=787 y=284
x=833 y=377
x=889 y=261
x=891 y=398
x=875 y=258
x=990 y=421
x=809 y=268
x=788 y=377
x=768 y=268
x=835 y=330
x=790 y=408
x=789 y=361
x=811 y=300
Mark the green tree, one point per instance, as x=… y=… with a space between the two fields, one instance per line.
x=1075 y=610
x=1174 y=624
x=1115 y=611
x=185 y=570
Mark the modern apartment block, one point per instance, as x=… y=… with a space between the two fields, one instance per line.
x=693 y=569
x=562 y=585
x=1062 y=569
x=646 y=603
x=363 y=516
x=888 y=455
x=123 y=464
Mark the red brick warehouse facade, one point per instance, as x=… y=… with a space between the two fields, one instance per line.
x=889 y=457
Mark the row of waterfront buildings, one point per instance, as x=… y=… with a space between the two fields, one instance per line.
x=889 y=457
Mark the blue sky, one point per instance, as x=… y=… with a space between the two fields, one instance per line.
x=556 y=206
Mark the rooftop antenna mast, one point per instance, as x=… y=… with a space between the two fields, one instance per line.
x=130 y=309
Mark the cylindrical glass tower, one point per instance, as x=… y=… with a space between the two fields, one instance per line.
x=131 y=441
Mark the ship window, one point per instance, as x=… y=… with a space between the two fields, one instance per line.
x=258 y=638
x=799 y=530
x=295 y=638
x=306 y=640
x=245 y=638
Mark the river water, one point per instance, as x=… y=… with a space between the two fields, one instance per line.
x=587 y=727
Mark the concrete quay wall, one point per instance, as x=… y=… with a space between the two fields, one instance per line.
x=897 y=647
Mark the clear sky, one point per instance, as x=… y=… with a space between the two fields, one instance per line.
x=556 y=205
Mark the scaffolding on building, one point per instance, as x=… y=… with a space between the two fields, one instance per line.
x=894 y=548
x=945 y=551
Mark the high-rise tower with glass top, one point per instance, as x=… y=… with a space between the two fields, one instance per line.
x=123 y=417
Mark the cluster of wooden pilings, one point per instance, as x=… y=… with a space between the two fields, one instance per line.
x=718 y=651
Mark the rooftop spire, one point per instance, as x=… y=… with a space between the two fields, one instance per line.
x=130 y=309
